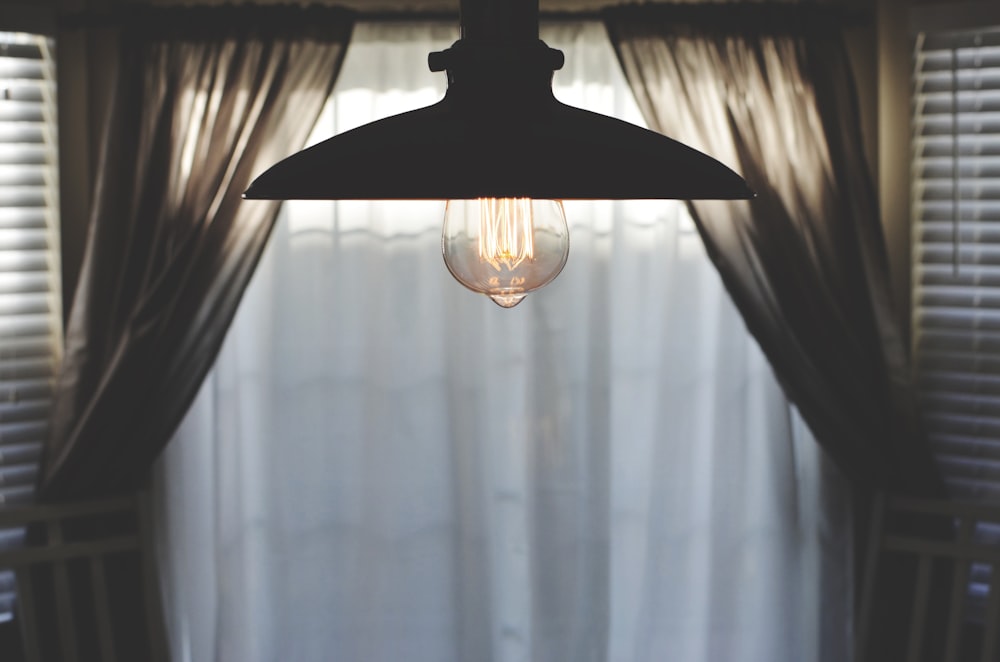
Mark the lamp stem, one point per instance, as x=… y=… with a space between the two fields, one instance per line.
x=501 y=21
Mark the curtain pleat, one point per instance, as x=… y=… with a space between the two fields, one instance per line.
x=197 y=114
x=805 y=261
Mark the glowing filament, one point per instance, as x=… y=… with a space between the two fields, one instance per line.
x=506 y=232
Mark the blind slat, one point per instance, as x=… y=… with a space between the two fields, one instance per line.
x=16 y=350
x=966 y=446
x=21 y=111
x=19 y=46
x=42 y=368
x=959 y=58
x=968 y=145
x=945 y=123
x=23 y=326
x=27 y=283
x=964 y=489
x=26 y=154
x=933 y=231
x=969 y=341
x=38 y=175
x=25 y=261
x=931 y=83
x=966 y=468
x=25 y=241
x=955 y=381
x=20 y=453
x=969 y=255
x=978 y=405
x=934 y=168
x=20 y=387
x=23 y=432
x=17 y=495
x=945 y=361
x=985 y=275
x=945 y=41
x=963 y=424
x=978 y=188
x=14 y=68
x=18 y=475
x=966 y=101
x=23 y=132
x=24 y=217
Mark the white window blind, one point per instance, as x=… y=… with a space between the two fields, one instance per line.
x=956 y=224
x=30 y=303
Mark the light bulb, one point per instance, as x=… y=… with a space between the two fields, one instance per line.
x=505 y=247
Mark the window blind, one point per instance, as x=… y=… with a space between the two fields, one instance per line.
x=30 y=304
x=956 y=223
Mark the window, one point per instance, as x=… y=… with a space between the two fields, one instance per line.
x=30 y=302
x=393 y=467
x=956 y=263
x=956 y=225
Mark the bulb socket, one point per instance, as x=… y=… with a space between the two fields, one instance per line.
x=484 y=57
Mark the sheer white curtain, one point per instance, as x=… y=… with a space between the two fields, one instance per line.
x=385 y=466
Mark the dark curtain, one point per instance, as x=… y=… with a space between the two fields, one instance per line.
x=768 y=90
x=206 y=99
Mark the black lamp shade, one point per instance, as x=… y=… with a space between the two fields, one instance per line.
x=555 y=152
x=499 y=133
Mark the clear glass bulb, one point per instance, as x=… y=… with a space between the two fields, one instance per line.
x=505 y=247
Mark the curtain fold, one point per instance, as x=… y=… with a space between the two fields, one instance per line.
x=805 y=261
x=205 y=99
x=385 y=466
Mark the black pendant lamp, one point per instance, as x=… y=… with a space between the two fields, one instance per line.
x=503 y=152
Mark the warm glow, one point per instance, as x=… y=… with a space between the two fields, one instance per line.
x=506 y=232
x=505 y=247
